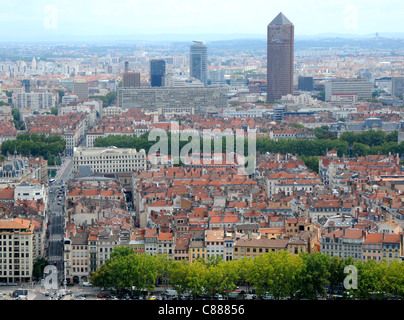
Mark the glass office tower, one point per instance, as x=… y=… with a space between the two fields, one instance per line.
x=199 y=61
x=157 y=72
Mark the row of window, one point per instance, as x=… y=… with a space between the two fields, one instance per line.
x=12 y=266
x=342 y=247
x=16 y=243
x=10 y=236
x=16 y=273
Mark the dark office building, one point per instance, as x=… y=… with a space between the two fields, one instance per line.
x=131 y=79
x=280 y=51
x=157 y=72
x=305 y=83
x=27 y=85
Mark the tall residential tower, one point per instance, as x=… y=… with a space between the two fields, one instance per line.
x=280 y=57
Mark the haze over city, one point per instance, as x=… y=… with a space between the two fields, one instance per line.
x=168 y=20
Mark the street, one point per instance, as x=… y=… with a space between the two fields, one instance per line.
x=38 y=292
x=56 y=211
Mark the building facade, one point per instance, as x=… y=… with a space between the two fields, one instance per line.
x=199 y=98
x=361 y=87
x=280 y=58
x=198 y=61
x=397 y=86
x=157 y=72
x=33 y=100
x=80 y=89
x=131 y=80
x=109 y=160
x=16 y=255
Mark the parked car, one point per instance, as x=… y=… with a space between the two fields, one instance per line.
x=218 y=296
x=171 y=294
x=87 y=284
x=186 y=296
x=233 y=295
x=268 y=296
x=21 y=297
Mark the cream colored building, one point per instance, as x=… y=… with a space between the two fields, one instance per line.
x=76 y=256
x=16 y=255
x=254 y=247
x=109 y=160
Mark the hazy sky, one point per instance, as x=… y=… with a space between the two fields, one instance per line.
x=124 y=17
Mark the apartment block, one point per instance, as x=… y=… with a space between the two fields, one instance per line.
x=16 y=255
x=199 y=98
x=382 y=246
x=361 y=87
x=34 y=100
x=346 y=243
x=254 y=247
x=214 y=241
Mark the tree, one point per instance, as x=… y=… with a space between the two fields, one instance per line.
x=311 y=162
x=360 y=149
x=39 y=266
x=54 y=111
x=196 y=277
x=214 y=279
x=35 y=145
x=8 y=93
x=16 y=114
x=321 y=95
x=126 y=269
x=178 y=271
x=108 y=100
x=287 y=269
x=394 y=279
x=121 y=252
x=314 y=275
x=371 y=279
x=61 y=94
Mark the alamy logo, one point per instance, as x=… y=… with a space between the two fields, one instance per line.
x=236 y=144
x=51 y=278
x=351 y=280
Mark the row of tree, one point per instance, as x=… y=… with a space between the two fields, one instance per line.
x=36 y=145
x=303 y=276
x=349 y=143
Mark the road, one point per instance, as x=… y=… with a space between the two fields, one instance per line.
x=37 y=292
x=56 y=211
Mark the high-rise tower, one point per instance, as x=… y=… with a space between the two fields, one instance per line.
x=280 y=57
x=199 y=61
x=157 y=72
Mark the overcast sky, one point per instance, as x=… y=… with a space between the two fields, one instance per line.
x=131 y=17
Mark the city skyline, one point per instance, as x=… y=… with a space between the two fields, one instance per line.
x=134 y=18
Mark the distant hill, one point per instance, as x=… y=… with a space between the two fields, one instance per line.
x=326 y=43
